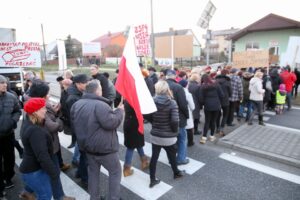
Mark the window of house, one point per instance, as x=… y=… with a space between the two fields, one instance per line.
x=274 y=50
x=252 y=45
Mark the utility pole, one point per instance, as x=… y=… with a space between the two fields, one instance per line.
x=207 y=46
x=152 y=36
x=44 y=46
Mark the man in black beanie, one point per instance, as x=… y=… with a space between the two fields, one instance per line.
x=75 y=92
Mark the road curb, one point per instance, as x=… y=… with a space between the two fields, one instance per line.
x=256 y=152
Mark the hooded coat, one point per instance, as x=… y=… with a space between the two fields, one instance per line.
x=256 y=89
x=246 y=81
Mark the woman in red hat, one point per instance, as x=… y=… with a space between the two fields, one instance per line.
x=37 y=166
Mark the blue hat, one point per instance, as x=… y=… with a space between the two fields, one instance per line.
x=183 y=82
x=171 y=72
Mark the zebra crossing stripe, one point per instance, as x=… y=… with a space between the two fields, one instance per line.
x=138 y=183
x=189 y=168
x=70 y=187
x=262 y=168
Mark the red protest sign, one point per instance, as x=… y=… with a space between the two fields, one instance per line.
x=141 y=40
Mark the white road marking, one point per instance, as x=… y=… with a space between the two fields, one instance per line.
x=138 y=183
x=262 y=168
x=189 y=168
x=70 y=187
x=269 y=112
x=265 y=118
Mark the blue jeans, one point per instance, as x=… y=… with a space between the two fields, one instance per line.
x=39 y=182
x=76 y=154
x=246 y=104
x=129 y=154
x=182 y=145
x=57 y=189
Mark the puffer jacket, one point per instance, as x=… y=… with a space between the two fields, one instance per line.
x=54 y=125
x=256 y=89
x=95 y=124
x=10 y=113
x=165 y=120
x=224 y=82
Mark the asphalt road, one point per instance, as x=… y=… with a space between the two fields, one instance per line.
x=216 y=173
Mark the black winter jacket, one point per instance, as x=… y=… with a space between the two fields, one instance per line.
x=211 y=96
x=73 y=95
x=10 y=113
x=194 y=88
x=150 y=85
x=224 y=82
x=132 y=137
x=38 y=150
x=165 y=120
x=104 y=84
x=180 y=98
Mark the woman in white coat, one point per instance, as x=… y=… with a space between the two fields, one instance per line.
x=256 y=97
x=191 y=106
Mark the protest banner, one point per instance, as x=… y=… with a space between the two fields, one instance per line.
x=20 y=54
x=244 y=59
x=141 y=40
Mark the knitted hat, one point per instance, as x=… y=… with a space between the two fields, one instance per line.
x=183 y=82
x=34 y=104
x=3 y=79
x=282 y=88
x=39 y=88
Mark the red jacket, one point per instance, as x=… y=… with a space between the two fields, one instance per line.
x=288 y=79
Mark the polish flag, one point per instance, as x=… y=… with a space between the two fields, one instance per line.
x=131 y=84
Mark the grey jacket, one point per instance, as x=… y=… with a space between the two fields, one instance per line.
x=95 y=125
x=10 y=113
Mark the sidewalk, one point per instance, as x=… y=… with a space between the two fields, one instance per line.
x=273 y=142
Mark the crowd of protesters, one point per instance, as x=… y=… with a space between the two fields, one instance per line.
x=91 y=110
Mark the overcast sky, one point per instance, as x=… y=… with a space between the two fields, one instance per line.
x=89 y=19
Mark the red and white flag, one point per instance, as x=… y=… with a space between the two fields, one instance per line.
x=131 y=84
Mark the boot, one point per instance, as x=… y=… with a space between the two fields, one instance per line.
x=154 y=182
x=261 y=121
x=127 y=171
x=203 y=140
x=190 y=136
x=26 y=196
x=144 y=162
